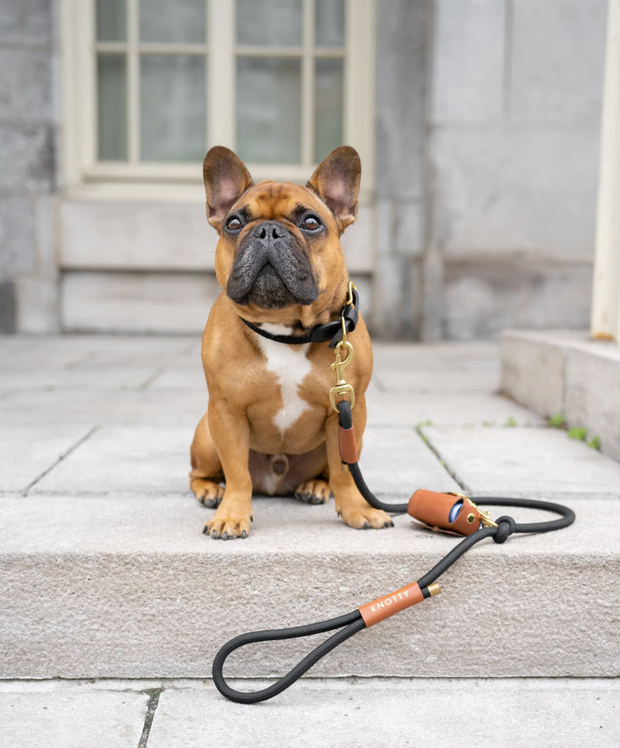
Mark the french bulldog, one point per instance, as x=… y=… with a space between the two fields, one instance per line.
x=270 y=428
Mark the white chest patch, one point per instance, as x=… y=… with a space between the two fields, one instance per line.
x=291 y=366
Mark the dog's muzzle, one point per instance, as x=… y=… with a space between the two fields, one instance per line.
x=271 y=270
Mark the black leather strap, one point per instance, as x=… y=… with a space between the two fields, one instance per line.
x=331 y=331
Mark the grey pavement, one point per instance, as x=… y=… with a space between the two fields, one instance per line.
x=330 y=713
x=106 y=575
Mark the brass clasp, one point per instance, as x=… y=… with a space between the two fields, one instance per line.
x=350 y=290
x=341 y=388
x=485 y=517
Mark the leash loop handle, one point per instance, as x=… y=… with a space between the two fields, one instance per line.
x=348 y=624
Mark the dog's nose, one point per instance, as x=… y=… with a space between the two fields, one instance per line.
x=269 y=230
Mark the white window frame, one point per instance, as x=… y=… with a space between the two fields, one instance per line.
x=82 y=175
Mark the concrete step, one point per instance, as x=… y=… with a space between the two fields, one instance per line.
x=127 y=586
x=104 y=571
x=340 y=713
x=562 y=372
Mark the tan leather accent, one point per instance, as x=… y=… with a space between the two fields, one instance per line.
x=347 y=445
x=433 y=509
x=389 y=605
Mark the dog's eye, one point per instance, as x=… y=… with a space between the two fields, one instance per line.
x=311 y=223
x=233 y=224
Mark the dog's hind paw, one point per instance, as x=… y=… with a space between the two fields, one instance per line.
x=316 y=491
x=207 y=492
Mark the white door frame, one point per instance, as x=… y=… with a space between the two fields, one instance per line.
x=605 y=320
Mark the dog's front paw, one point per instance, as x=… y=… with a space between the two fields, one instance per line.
x=365 y=517
x=316 y=491
x=227 y=527
x=207 y=492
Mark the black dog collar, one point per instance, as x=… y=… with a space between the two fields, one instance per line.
x=331 y=331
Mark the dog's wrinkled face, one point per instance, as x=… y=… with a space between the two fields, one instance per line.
x=279 y=250
x=273 y=247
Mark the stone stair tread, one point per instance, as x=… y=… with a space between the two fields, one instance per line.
x=53 y=524
x=128 y=587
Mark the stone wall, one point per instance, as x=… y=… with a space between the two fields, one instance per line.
x=488 y=118
x=513 y=163
x=403 y=44
x=27 y=174
x=487 y=162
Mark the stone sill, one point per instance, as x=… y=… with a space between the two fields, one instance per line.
x=564 y=372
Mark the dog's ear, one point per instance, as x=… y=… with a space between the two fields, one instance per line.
x=337 y=182
x=226 y=179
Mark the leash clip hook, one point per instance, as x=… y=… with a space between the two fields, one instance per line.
x=342 y=388
x=485 y=517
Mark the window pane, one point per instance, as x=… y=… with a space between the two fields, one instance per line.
x=172 y=107
x=173 y=21
x=328 y=98
x=329 y=29
x=111 y=20
x=112 y=107
x=269 y=110
x=269 y=23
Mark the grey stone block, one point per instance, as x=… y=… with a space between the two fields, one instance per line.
x=71 y=715
x=162 y=359
x=26 y=21
x=351 y=713
x=565 y=372
x=27 y=156
x=533 y=372
x=37 y=305
x=515 y=188
x=392 y=409
x=433 y=369
x=8 y=308
x=385 y=226
x=409 y=224
x=17 y=235
x=592 y=392
x=181 y=377
x=155 y=461
x=138 y=459
x=27 y=453
x=163 y=408
x=358 y=241
x=97 y=351
x=543 y=462
x=137 y=302
x=137 y=236
x=72 y=378
x=397 y=461
x=46 y=258
x=433 y=301
x=441 y=381
x=402 y=48
x=25 y=85
x=484 y=295
x=468 y=61
x=124 y=586
x=396 y=285
x=558 y=52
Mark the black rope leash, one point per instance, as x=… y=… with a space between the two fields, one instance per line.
x=388 y=605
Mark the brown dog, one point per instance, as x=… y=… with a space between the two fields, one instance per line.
x=270 y=426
